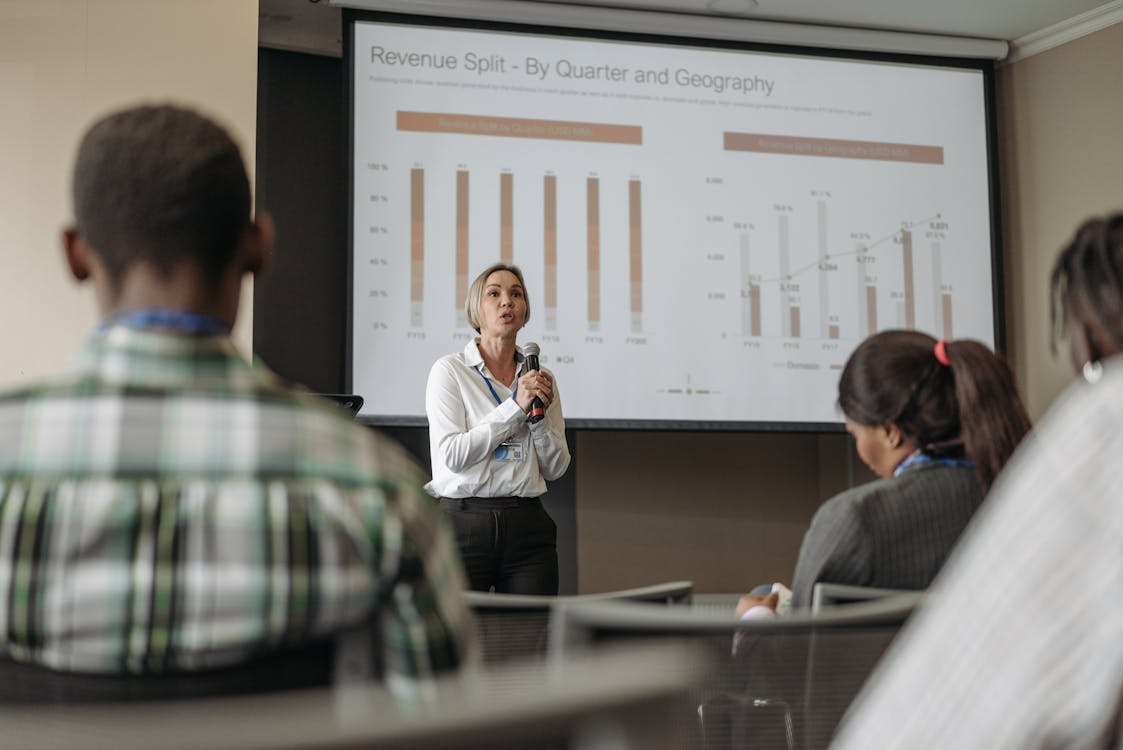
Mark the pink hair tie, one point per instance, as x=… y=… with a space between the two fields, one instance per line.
x=942 y=353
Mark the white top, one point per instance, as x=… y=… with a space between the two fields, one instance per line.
x=466 y=426
x=1021 y=642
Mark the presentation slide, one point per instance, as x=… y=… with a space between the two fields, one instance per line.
x=706 y=234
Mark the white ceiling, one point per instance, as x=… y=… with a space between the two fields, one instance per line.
x=314 y=25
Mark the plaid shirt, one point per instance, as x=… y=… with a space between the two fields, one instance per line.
x=164 y=506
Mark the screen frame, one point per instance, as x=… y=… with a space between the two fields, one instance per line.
x=986 y=67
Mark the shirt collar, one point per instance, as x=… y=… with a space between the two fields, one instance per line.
x=473 y=358
x=156 y=358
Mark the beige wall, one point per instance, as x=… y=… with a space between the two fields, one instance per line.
x=1062 y=160
x=63 y=63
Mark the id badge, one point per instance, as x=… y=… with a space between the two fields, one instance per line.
x=510 y=450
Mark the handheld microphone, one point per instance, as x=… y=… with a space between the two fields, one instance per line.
x=537 y=408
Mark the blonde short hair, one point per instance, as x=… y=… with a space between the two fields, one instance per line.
x=476 y=293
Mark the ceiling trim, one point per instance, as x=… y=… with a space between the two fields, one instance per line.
x=1066 y=31
x=708 y=27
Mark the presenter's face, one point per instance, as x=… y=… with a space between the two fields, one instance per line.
x=872 y=443
x=503 y=306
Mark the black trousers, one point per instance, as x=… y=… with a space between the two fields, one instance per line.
x=507 y=543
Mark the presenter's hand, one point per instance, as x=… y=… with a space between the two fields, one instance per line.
x=535 y=383
x=748 y=601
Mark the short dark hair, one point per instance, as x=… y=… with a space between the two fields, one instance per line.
x=970 y=405
x=1087 y=283
x=160 y=185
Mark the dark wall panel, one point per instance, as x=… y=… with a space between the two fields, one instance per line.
x=300 y=304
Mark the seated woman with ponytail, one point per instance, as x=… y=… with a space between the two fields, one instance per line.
x=936 y=421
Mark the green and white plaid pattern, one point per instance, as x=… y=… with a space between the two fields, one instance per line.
x=164 y=506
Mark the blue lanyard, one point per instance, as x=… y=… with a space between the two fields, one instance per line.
x=495 y=395
x=924 y=458
x=177 y=320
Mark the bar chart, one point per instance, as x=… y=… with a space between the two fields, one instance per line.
x=853 y=310
x=629 y=244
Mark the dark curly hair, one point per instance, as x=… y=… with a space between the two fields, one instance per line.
x=160 y=185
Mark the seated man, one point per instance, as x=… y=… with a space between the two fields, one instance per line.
x=164 y=506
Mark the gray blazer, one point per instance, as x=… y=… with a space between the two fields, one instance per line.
x=890 y=533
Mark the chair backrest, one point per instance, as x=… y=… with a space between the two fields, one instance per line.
x=834 y=594
x=350 y=656
x=623 y=700
x=718 y=603
x=515 y=626
x=785 y=681
x=838 y=663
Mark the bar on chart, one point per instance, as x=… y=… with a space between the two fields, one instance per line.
x=754 y=301
x=910 y=290
x=871 y=309
x=416 y=245
x=506 y=217
x=941 y=295
x=865 y=326
x=461 y=245
x=824 y=274
x=635 y=252
x=832 y=331
x=789 y=311
x=750 y=292
x=945 y=299
x=550 y=249
x=937 y=283
x=592 y=198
